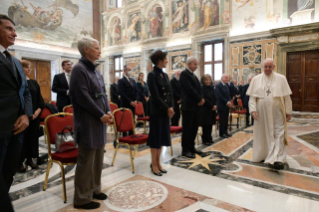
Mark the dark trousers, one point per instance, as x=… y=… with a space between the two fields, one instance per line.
x=10 y=152
x=190 y=126
x=5 y=202
x=177 y=115
x=207 y=133
x=223 y=121
x=247 y=116
x=87 y=179
x=60 y=109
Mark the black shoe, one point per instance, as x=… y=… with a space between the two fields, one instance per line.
x=247 y=125
x=157 y=174
x=279 y=165
x=88 y=206
x=188 y=155
x=22 y=169
x=224 y=136
x=163 y=171
x=198 y=152
x=227 y=134
x=31 y=164
x=100 y=196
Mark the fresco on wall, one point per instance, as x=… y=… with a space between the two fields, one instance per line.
x=134 y=27
x=56 y=22
x=252 y=54
x=247 y=73
x=209 y=13
x=180 y=15
x=115 y=31
x=177 y=61
x=135 y=64
x=155 y=21
x=235 y=74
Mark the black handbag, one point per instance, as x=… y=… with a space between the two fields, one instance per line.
x=64 y=141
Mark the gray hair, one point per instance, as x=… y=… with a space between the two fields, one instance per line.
x=191 y=59
x=268 y=59
x=224 y=75
x=86 y=41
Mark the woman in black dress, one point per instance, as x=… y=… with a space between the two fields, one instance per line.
x=208 y=111
x=30 y=148
x=161 y=110
x=143 y=93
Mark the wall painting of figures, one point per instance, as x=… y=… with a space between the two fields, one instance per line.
x=177 y=61
x=115 y=31
x=252 y=54
x=134 y=27
x=180 y=15
x=55 y=22
x=155 y=21
x=135 y=64
x=208 y=13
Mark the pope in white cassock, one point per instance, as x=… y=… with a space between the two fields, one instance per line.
x=271 y=107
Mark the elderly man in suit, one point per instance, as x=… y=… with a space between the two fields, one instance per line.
x=177 y=93
x=15 y=105
x=115 y=97
x=61 y=86
x=127 y=91
x=192 y=100
x=223 y=105
x=91 y=114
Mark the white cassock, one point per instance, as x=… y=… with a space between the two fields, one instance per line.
x=270 y=98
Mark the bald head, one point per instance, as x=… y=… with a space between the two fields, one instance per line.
x=192 y=64
x=225 y=78
x=268 y=66
x=177 y=74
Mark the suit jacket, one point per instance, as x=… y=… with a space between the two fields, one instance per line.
x=177 y=91
x=233 y=90
x=15 y=97
x=127 y=92
x=240 y=88
x=191 y=91
x=60 y=86
x=161 y=92
x=141 y=92
x=222 y=96
x=85 y=82
x=115 y=94
x=245 y=97
x=208 y=116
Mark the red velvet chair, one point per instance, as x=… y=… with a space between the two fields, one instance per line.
x=113 y=107
x=52 y=103
x=126 y=125
x=44 y=114
x=68 y=109
x=175 y=130
x=139 y=111
x=240 y=111
x=53 y=124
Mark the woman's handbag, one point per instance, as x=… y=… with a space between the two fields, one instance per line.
x=64 y=141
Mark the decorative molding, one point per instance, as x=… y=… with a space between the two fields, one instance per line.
x=179 y=47
x=253 y=36
x=293 y=30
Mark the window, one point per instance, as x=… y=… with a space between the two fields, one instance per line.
x=118 y=70
x=213 y=59
x=115 y=4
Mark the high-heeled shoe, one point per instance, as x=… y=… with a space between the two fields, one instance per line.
x=22 y=169
x=157 y=174
x=163 y=171
x=31 y=164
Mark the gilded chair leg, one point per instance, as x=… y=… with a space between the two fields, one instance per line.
x=115 y=152
x=171 y=150
x=63 y=182
x=144 y=126
x=135 y=151
x=47 y=175
x=131 y=157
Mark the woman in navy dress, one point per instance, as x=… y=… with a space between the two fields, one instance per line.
x=161 y=110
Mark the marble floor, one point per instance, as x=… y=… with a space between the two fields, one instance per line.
x=227 y=180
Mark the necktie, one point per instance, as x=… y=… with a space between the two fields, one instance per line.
x=9 y=58
x=130 y=81
x=69 y=77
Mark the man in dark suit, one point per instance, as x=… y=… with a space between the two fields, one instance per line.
x=192 y=100
x=223 y=105
x=177 y=93
x=115 y=98
x=246 y=102
x=127 y=91
x=234 y=91
x=15 y=104
x=61 y=85
x=240 y=87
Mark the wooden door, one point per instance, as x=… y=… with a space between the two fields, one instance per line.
x=303 y=78
x=41 y=71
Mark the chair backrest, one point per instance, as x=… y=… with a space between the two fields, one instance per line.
x=139 y=110
x=68 y=109
x=127 y=122
x=45 y=113
x=55 y=123
x=240 y=102
x=113 y=106
x=53 y=103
